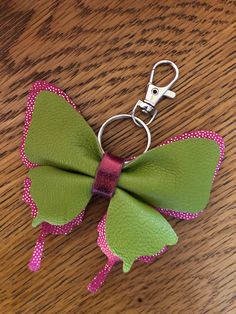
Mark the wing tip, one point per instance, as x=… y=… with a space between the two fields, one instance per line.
x=36 y=221
x=127 y=264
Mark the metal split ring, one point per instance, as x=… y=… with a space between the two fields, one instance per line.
x=122 y=117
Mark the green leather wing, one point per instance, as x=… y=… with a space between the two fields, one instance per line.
x=65 y=147
x=59 y=136
x=60 y=195
x=134 y=229
x=176 y=176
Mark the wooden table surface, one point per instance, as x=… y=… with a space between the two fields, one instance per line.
x=101 y=53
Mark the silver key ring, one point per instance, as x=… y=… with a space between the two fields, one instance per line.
x=122 y=117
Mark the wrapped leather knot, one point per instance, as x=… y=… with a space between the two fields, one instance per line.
x=108 y=173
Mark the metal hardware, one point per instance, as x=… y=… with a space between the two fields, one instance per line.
x=155 y=94
x=121 y=117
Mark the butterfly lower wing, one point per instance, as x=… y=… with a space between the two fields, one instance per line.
x=56 y=134
x=134 y=229
x=59 y=195
x=178 y=174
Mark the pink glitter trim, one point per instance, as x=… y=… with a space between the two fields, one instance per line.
x=38 y=87
x=46 y=228
x=194 y=134
x=179 y=215
x=152 y=258
x=28 y=199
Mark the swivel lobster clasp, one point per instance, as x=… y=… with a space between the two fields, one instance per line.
x=154 y=93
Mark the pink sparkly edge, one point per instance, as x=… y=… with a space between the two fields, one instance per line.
x=28 y=199
x=46 y=228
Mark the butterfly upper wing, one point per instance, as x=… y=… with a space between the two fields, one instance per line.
x=56 y=134
x=177 y=175
x=62 y=149
x=134 y=229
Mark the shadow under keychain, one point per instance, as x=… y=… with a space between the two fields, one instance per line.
x=68 y=166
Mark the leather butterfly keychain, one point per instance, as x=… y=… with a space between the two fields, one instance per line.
x=67 y=166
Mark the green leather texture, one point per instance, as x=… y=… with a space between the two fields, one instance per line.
x=175 y=176
x=60 y=195
x=135 y=229
x=59 y=136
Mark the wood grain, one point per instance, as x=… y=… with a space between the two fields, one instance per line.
x=101 y=54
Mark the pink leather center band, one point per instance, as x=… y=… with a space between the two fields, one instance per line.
x=107 y=175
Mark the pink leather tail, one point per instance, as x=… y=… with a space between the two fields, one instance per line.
x=100 y=278
x=35 y=261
